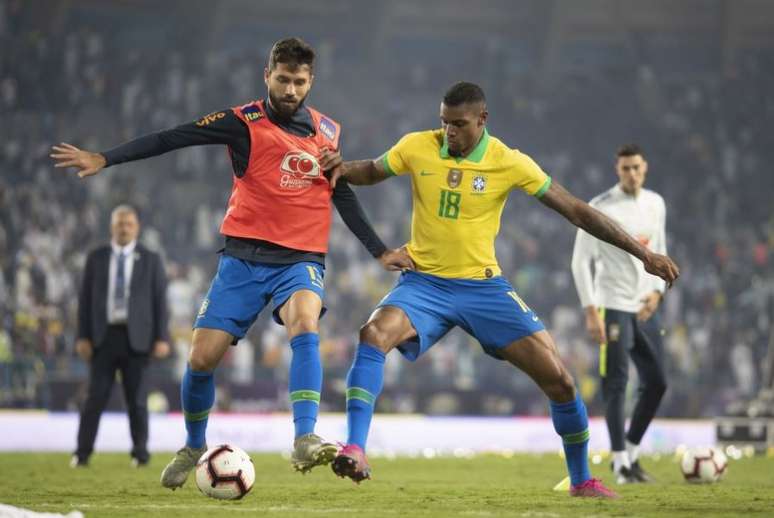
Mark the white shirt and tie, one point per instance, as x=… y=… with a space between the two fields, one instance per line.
x=119 y=282
x=620 y=281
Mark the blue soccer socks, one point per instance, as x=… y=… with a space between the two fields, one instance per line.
x=364 y=383
x=572 y=423
x=197 y=394
x=305 y=381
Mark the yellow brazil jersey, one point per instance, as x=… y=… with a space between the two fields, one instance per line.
x=458 y=201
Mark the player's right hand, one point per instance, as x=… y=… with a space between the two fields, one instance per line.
x=87 y=163
x=84 y=348
x=595 y=326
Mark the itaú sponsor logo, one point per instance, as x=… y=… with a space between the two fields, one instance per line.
x=298 y=169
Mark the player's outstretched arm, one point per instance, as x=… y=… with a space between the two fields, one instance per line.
x=582 y=215
x=361 y=172
x=218 y=128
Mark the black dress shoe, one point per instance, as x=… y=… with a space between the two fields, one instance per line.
x=623 y=475
x=640 y=474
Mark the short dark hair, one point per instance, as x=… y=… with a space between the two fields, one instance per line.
x=293 y=52
x=463 y=93
x=629 y=150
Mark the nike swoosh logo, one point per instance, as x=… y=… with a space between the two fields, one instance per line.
x=535 y=318
x=423 y=173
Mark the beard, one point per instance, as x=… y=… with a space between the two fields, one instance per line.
x=282 y=108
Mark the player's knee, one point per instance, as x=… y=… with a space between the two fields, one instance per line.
x=303 y=324
x=561 y=389
x=199 y=360
x=374 y=334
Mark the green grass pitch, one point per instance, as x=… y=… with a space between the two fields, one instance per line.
x=485 y=485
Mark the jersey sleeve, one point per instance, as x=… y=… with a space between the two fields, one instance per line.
x=527 y=175
x=396 y=160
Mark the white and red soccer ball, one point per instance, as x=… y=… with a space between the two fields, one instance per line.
x=703 y=465
x=225 y=472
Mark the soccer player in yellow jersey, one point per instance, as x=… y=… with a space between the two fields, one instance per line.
x=461 y=177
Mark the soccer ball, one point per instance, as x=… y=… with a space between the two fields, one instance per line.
x=225 y=472
x=703 y=465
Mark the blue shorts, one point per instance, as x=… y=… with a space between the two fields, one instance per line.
x=488 y=309
x=241 y=289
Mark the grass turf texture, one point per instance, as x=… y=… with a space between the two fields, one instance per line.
x=485 y=485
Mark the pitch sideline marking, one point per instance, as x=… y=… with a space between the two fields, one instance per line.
x=79 y=506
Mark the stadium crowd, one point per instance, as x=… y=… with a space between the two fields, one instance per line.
x=707 y=132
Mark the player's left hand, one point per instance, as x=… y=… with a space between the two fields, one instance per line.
x=649 y=306
x=336 y=173
x=396 y=260
x=331 y=161
x=661 y=266
x=161 y=349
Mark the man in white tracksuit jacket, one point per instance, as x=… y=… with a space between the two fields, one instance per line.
x=620 y=300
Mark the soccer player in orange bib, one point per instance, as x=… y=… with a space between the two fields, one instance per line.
x=276 y=229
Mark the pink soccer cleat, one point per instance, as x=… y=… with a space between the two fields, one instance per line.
x=593 y=488
x=352 y=462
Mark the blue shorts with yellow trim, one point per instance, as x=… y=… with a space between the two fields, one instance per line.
x=487 y=309
x=241 y=289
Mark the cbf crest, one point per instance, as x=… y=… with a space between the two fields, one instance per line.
x=613 y=332
x=479 y=184
x=454 y=178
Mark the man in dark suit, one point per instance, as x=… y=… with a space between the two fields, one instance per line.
x=122 y=322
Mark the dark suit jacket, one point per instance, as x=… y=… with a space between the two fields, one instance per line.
x=147 y=321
